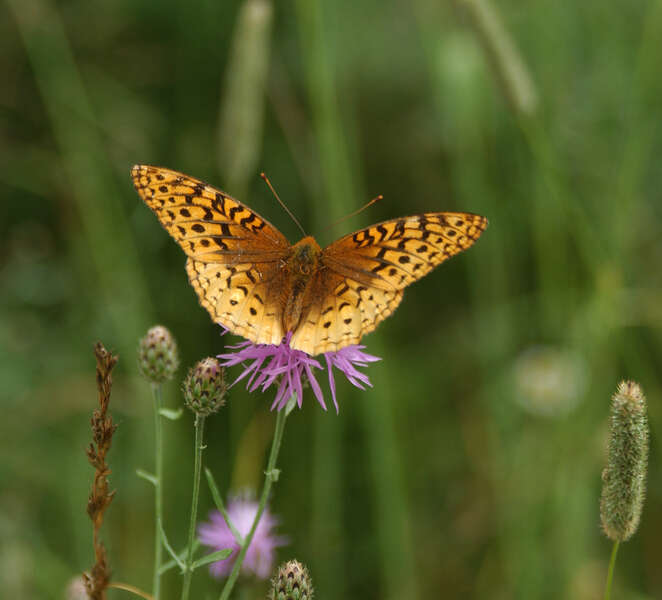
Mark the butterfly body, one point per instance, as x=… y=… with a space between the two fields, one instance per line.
x=257 y=285
x=299 y=274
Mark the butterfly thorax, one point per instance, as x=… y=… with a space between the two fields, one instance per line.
x=301 y=265
x=304 y=257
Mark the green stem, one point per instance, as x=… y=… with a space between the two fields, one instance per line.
x=158 y=505
x=199 y=431
x=610 y=573
x=271 y=475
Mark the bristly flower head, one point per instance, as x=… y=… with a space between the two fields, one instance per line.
x=157 y=355
x=260 y=555
x=291 y=582
x=289 y=369
x=624 y=479
x=204 y=387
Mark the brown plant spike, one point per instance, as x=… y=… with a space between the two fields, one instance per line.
x=96 y=581
x=257 y=285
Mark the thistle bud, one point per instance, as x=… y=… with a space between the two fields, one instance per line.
x=204 y=387
x=157 y=355
x=624 y=478
x=291 y=582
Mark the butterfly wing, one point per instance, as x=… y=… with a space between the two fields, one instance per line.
x=342 y=309
x=367 y=271
x=233 y=253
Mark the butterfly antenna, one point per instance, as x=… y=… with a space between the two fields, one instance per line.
x=287 y=210
x=356 y=212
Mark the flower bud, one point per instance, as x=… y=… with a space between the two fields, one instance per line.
x=291 y=582
x=157 y=355
x=204 y=387
x=624 y=479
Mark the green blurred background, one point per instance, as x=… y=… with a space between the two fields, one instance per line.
x=472 y=468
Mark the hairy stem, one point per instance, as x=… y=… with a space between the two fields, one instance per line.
x=199 y=432
x=610 y=573
x=158 y=503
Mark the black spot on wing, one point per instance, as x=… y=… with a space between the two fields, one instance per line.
x=247 y=220
x=219 y=203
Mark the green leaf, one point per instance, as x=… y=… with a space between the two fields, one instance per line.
x=213 y=557
x=147 y=477
x=173 y=415
x=182 y=555
x=221 y=507
x=169 y=548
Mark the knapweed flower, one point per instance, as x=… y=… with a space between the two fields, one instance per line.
x=157 y=355
x=260 y=555
x=204 y=387
x=291 y=582
x=288 y=369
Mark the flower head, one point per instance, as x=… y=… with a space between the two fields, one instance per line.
x=289 y=369
x=204 y=387
x=157 y=355
x=624 y=478
x=291 y=582
x=261 y=553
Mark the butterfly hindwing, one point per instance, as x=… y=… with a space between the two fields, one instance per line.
x=239 y=297
x=343 y=310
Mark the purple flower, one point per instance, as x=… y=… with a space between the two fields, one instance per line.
x=287 y=369
x=260 y=555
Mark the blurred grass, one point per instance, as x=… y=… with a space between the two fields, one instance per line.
x=446 y=478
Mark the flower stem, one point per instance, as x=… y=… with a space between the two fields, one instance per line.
x=271 y=475
x=199 y=432
x=158 y=510
x=610 y=573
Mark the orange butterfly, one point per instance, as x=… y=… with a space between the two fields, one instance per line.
x=257 y=285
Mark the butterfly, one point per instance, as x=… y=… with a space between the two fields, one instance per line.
x=256 y=284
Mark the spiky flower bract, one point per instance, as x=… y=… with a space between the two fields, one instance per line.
x=288 y=369
x=204 y=387
x=260 y=556
x=157 y=355
x=291 y=582
x=624 y=479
